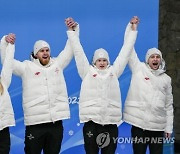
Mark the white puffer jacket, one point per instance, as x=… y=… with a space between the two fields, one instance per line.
x=100 y=97
x=149 y=103
x=6 y=109
x=44 y=89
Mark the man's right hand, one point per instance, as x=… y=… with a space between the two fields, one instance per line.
x=134 y=21
x=70 y=23
x=10 y=38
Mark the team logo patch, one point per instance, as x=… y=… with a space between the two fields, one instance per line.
x=37 y=73
x=56 y=70
x=146 y=78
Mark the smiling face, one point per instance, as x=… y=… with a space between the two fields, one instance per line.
x=43 y=55
x=101 y=63
x=154 y=61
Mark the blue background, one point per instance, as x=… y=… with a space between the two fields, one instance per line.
x=102 y=24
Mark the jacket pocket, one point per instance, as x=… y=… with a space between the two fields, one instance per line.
x=34 y=102
x=159 y=111
x=133 y=104
x=62 y=99
x=89 y=103
x=61 y=103
x=115 y=104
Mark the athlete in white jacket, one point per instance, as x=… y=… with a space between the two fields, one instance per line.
x=100 y=99
x=45 y=100
x=6 y=109
x=149 y=104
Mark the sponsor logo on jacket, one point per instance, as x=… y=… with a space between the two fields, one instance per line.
x=37 y=73
x=146 y=78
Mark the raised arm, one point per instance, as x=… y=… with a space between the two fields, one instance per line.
x=82 y=62
x=127 y=31
x=129 y=27
x=66 y=55
x=6 y=72
x=17 y=66
x=125 y=52
x=134 y=61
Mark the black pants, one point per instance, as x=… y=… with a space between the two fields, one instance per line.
x=46 y=137
x=177 y=147
x=98 y=136
x=4 y=141
x=144 y=138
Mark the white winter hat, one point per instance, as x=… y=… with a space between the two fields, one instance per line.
x=39 y=45
x=100 y=53
x=151 y=52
